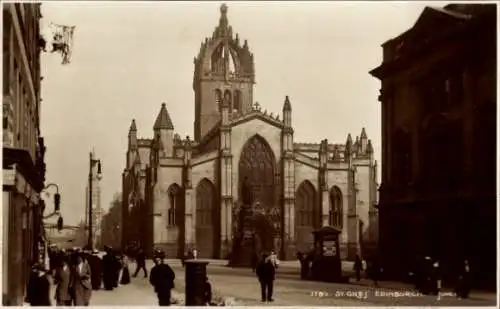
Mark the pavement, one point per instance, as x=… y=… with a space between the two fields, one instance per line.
x=241 y=285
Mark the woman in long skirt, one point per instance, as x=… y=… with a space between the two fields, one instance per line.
x=125 y=278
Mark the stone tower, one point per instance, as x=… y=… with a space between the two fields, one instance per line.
x=223 y=69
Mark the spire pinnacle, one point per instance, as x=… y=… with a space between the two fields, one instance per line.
x=287 y=106
x=223 y=21
x=133 y=127
x=363 y=134
x=369 y=147
x=163 y=120
x=223 y=9
x=349 y=139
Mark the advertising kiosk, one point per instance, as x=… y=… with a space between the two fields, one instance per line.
x=327 y=265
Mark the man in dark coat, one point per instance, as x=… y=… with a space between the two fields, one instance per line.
x=96 y=269
x=117 y=267
x=82 y=288
x=62 y=279
x=162 y=279
x=108 y=273
x=140 y=259
x=207 y=295
x=358 y=267
x=463 y=286
x=266 y=273
x=375 y=270
x=39 y=287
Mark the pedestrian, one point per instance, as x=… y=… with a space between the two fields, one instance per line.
x=266 y=273
x=208 y=292
x=141 y=263
x=162 y=278
x=39 y=287
x=463 y=286
x=62 y=280
x=82 y=287
x=107 y=265
x=125 y=277
x=435 y=276
x=117 y=268
x=375 y=271
x=95 y=263
x=426 y=284
x=358 y=267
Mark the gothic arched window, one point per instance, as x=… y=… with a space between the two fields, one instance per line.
x=218 y=96
x=257 y=164
x=237 y=102
x=204 y=203
x=306 y=205
x=207 y=219
x=174 y=203
x=336 y=208
x=228 y=97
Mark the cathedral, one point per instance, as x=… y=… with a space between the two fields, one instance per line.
x=182 y=193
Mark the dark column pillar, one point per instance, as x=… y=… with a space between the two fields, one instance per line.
x=196 y=272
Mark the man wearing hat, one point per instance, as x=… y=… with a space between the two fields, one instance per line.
x=96 y=269
x=108 y=269
x=39 y=286
x=82 y=287
x=162 y=278
x=266 y=272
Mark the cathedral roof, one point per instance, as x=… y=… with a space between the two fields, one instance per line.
x=163 y=120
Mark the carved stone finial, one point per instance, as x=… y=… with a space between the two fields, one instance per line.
x=187 y=142
x=265 y=112
x=223 y=9
x=278 y=117
x=256 y=106
x=271 y=115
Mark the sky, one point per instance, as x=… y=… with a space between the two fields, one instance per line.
x=129 y=57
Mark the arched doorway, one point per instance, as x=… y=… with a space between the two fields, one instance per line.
x=307 y=215
x=259 y=216
x=207 y=219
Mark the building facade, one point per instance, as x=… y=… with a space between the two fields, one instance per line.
x=97 y=211
x=183 y=193
x=438 y=98
x=23 y=148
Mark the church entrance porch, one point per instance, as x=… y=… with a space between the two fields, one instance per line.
x=257 y=216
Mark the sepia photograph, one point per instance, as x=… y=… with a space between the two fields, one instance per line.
x=249 y=153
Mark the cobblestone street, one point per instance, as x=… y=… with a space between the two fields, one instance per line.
x=241 y=285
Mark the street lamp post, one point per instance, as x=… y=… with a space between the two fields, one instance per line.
x=92 y=162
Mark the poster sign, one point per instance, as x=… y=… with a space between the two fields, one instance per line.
x=330 y=248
